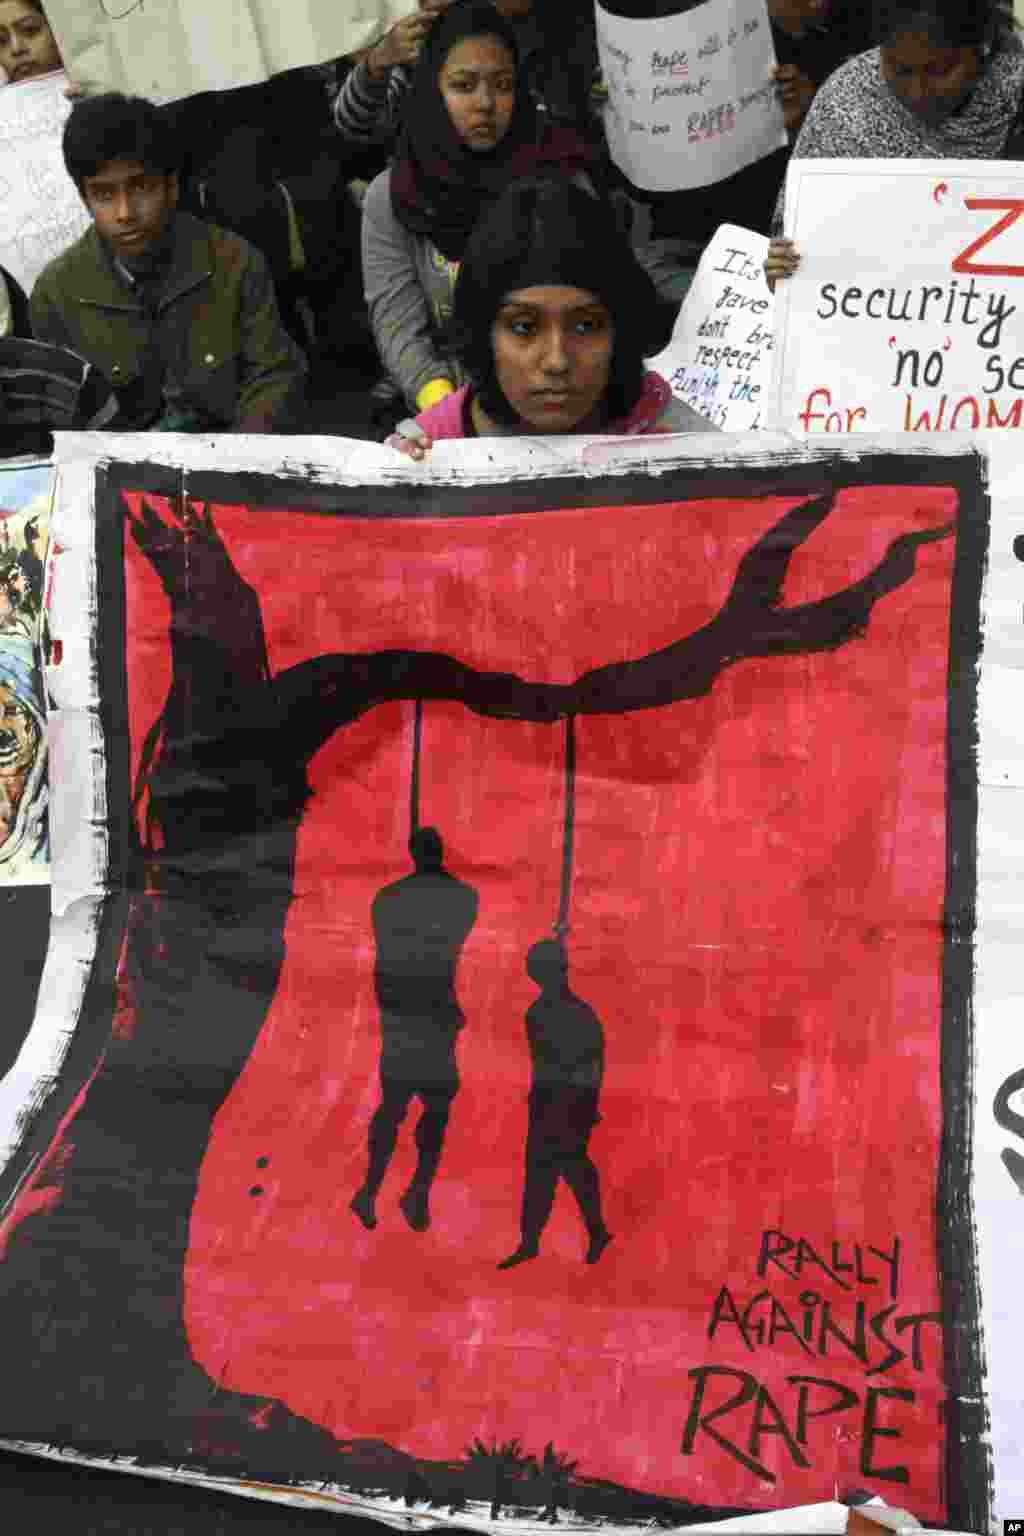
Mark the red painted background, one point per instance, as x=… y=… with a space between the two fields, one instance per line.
x=757 y=913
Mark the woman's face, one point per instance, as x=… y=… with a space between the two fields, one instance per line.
x=478 y=83
x=552 y=356
x=27 y=46
x=931 y=81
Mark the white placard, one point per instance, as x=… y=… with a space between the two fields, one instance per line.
x=690 y=98
x=719 y=358
x=907 y=311
x=167 y=49
x=41 y=213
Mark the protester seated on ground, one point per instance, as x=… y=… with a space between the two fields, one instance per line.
x=14 y=313
x=266 y=162
x=811 y=38
x=468 y=131
x=945 y=82
x=557 y=46
x=552 y=318
x=178 y=314
x=27 y=45
x=45 y=389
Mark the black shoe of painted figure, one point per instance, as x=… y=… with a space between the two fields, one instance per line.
x=363 y=1206
x=598 y=1243
x=523 y=1253
x=415 y=1207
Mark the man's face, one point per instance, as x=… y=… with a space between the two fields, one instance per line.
x=130 y=206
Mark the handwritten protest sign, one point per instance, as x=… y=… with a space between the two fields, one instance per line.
x=718 y=360
x=919 y=330
x=690 y=98
x=41 y=212
x=167 y=49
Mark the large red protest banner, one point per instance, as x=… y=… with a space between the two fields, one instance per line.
x=687 y=767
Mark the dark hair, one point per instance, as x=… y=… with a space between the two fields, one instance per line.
x=545 y=231
x=116 y=127
x=458 y=22
x=946 y=23
x=464 y=18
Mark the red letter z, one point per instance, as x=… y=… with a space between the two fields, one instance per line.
x=1014 y=208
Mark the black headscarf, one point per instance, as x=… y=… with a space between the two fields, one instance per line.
x=439 y=186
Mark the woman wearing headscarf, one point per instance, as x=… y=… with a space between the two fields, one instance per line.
x=469 y=130
x=557 y=45
x=945 y=83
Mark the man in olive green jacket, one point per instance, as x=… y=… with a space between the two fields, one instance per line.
x=179 y=315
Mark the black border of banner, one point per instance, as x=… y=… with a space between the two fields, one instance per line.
x=967 y=1462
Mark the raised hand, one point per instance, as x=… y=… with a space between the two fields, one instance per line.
x=401 y=45
x=410 y=440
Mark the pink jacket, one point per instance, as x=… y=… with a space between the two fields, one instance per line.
x=657 y=410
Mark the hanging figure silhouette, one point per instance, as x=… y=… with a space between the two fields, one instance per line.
x=567 y=1056
x=567 y=1060
x=420 y=924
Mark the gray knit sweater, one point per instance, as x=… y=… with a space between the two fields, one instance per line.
x=408 y=285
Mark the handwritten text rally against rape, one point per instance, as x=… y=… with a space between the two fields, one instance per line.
x=835 y=1317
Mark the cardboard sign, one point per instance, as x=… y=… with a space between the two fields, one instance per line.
x=41 y=213
x=719 y=358
x=690 y=97
x=907 y=311
x=167 y=49
x=511 y=984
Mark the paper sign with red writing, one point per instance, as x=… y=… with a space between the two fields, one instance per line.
x=907 y=309
x=690 y=98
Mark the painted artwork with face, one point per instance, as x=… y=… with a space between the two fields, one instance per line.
x=24 y=521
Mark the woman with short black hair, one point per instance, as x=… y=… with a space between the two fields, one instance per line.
x=551 y=320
